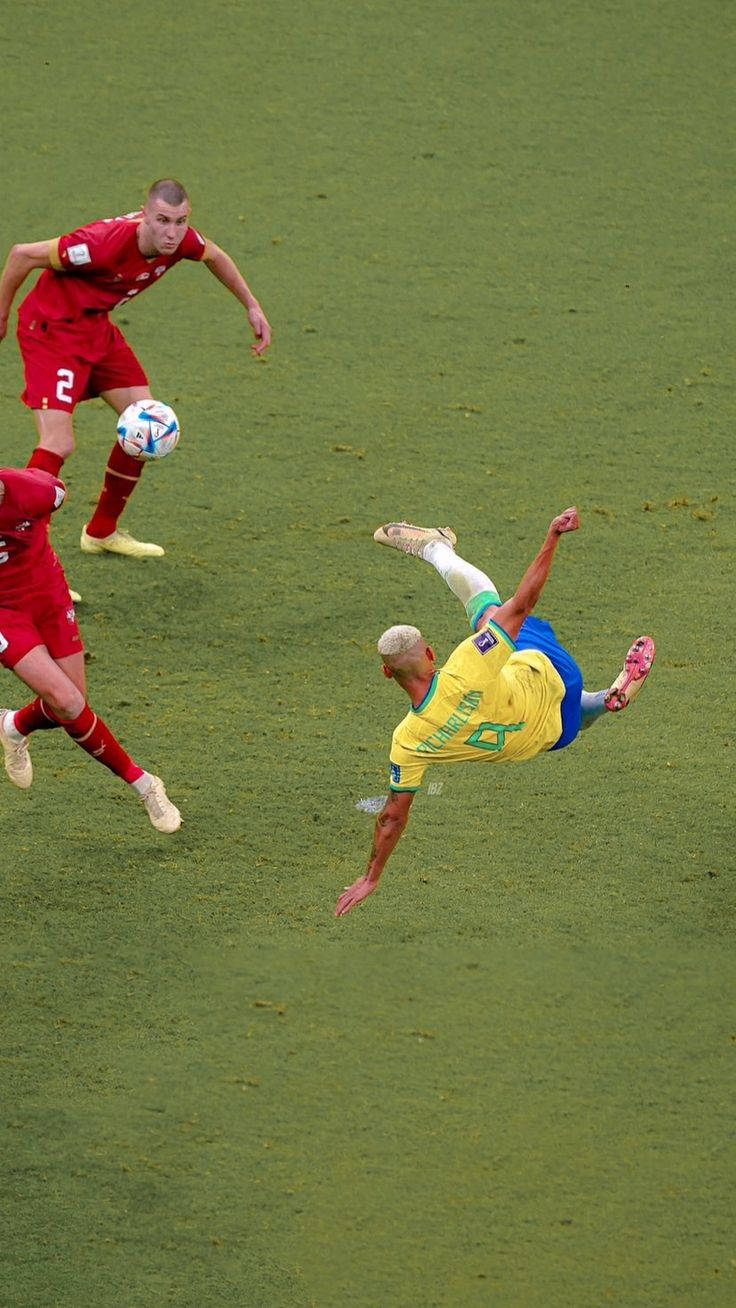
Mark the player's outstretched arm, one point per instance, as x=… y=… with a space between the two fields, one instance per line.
x=390 y=824
x=226 y=271
x=511 y=614
x=20 y=262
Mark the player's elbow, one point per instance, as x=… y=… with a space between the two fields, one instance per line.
x=21 y=257
x=524 y=607
x=512 y=613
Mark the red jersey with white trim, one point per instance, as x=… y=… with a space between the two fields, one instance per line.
x=25 y=553
x=99 y=267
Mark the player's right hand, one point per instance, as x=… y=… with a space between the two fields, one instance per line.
x=354 y=895
x=567 y=521
x=261 y=329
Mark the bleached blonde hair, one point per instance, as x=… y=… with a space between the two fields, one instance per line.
x=399 y=639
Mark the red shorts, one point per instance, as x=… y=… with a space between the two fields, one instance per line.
x=45 y=617
x=69 y=360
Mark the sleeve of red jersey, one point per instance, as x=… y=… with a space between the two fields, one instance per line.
x=193 y=245
x=31 y=492
x=82 y=250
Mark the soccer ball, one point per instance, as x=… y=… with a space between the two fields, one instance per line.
x=148 y=429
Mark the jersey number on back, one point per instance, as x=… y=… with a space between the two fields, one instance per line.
x=499 y=729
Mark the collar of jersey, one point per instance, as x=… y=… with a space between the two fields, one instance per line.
x=428 y=695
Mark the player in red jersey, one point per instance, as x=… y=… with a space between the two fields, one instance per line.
x=40 y=642
x=72 y=351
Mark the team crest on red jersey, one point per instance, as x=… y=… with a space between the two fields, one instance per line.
x=79 y=254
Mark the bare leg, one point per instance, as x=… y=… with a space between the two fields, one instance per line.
x=60 y=690
x=55 y=444
x=55 y=432
x=61 y=686
x=122 y=396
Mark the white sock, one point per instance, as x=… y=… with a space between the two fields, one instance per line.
x=10 y=728
x=592 y=707
x=464 y=580
x=143 y=784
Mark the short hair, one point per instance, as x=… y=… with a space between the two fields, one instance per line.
x=168 y=190
x=399 y=639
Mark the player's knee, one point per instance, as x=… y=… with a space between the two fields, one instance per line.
x=55 y=429
x=59 y=442
x=66 y=704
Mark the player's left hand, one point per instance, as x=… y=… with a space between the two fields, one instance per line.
x=261 y=329
x=354 y=895
x=567 y=521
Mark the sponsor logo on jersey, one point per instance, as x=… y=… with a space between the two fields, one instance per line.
x=158 y=271
x=143 y=277
x=484 y=641
x=78 y=254
x=25 y=525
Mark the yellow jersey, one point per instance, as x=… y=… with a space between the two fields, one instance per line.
x=489 y=703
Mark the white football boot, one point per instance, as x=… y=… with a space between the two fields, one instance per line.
x=119 y=541
x=410 y=539
x=17 y=759
x=164 y=815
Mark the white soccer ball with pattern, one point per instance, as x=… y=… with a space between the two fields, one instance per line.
x=148 y=429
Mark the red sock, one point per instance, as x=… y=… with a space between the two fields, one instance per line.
x=95 y=738
x=46 y=460
x=121 y=476
x=34 y=717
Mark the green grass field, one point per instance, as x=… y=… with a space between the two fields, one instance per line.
x=493 y=240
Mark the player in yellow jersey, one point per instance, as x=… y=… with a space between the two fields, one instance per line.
x=507 y=693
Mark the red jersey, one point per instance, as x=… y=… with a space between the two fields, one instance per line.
x=99 y=267
x=25 y=554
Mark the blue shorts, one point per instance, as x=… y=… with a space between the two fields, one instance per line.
x=537 y=634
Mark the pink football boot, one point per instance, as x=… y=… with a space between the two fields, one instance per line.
x=636 y=669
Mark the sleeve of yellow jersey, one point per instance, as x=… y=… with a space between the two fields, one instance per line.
x=406 y=771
